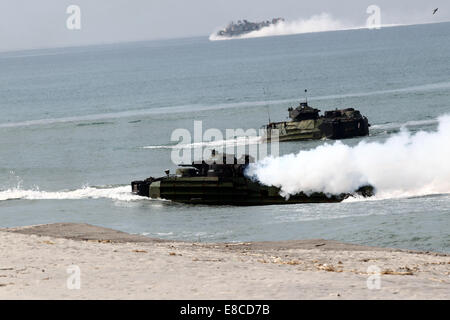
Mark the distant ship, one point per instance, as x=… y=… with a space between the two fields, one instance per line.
x=244 y=26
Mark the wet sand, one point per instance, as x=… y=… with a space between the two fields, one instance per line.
x=34 y=264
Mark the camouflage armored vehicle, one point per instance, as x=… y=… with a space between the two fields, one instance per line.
x=307 y=124
x=244 y=26
x=222 y=181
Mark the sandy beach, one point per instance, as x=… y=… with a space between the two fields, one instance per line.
x=37 y=262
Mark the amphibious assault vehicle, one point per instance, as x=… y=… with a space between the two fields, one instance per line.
x=307 y=124
x=222 y=181
x=244 y=26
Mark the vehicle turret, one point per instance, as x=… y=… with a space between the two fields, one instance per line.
x=303 y=112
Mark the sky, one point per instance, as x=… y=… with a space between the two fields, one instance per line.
x=31 y=24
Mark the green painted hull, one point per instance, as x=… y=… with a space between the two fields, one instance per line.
x=237 y=191
x=315 y=129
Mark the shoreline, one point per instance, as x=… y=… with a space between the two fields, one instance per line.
x=35 y=264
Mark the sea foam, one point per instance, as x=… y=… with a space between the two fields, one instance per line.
x=122 y=193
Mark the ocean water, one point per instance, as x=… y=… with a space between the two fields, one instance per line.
x=78 y=124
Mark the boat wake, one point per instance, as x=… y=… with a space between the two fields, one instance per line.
x=219 y=144
x=122 y=193
x=407 y=124
x=317 y=23
x=397 y=196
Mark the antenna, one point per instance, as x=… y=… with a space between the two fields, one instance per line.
x=265 y=98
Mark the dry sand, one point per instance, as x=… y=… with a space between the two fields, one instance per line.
x=117 y=265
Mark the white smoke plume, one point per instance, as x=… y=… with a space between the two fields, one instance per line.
x=404 y=165
x=317 y=23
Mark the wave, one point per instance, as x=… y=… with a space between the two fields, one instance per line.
x=141 y=112
x=244 y=141
x=418 y=88
x=403 y=195
x=220 y=144
x=201 y=107
x=407 y=124
x=405 y=165
x=317 y=23
x=98 y=123
x=122 y=193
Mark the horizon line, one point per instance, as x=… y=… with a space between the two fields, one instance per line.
x=120 y=42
